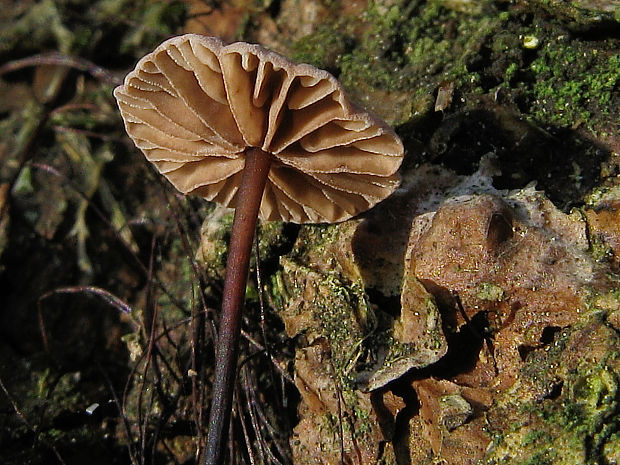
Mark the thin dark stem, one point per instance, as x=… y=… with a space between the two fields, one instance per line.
x=249 y=197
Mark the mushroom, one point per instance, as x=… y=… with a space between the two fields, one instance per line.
x=243 y=126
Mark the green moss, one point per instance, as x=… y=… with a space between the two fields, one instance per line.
x=363 y=422
x=601 y=194
x=397 y=351
x=611 y=450
x=273 y=237
x=323 y=48
x=156 y=20
x=592 y=396
x=41 y=23
x=579 y=12
x=510 y=72
x=400 y=46
x=335 y=310
x=581 y=424
x=411 y=47
x=408 y=43
x=490 y=292
x=320 y=287
x=278 y=290
x=333 y=299
x=400 y=51
x=586 y=415
x=574 y=83
x=599 y=249
x=534 y=437
x=540 y=458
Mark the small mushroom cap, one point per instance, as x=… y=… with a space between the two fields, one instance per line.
x=194 y=106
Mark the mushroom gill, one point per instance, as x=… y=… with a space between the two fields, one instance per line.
x=195 y=105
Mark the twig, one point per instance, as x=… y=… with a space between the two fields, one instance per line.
x=84 y=132
x=104 y=295
x=254 y=407
x=244 y=428
x=263 y=351
x=58 y=59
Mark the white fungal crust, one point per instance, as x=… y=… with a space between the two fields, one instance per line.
x=195 y=105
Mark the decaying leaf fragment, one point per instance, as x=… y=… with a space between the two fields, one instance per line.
x=417 y=338
x=518 y=301
x=525 y=266
x=514 y=279
x=452 y=419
